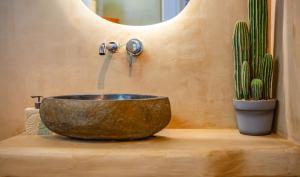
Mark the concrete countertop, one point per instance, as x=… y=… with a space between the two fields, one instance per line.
x=173 y=152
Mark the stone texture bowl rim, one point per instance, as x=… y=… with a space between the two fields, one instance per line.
x=106 y=116
x=143 y=97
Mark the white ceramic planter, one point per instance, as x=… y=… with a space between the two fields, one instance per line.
x=255 y=117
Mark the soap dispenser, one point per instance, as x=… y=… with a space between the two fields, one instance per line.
x=38 y=103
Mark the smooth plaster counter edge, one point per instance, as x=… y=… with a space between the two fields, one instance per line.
x=173 y=153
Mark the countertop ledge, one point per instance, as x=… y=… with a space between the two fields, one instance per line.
x=171 y=153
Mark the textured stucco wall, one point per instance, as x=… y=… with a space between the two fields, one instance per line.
x=279 y=75
x=287 y=55
x=291 y=57
x=51 y=48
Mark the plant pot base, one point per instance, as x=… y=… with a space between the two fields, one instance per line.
x=255 y=134
x=255 y=118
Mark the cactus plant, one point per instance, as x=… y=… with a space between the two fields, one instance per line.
x=250 y=58
x=241 y=47
x=246 y=80
x=256 y=89
x=253 y=75
x=266 y=71
x=258 y=17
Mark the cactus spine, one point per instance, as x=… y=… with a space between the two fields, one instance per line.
x=256 y=89
x=258 y=17
x=266 y=72
x=246 y=80
x=241 y=47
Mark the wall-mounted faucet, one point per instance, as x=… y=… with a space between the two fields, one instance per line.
x=134 y=48
x=111 y=47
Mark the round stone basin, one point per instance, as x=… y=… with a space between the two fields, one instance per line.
x=110 y=116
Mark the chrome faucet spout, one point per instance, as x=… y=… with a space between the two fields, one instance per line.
x=102 y=49
x=111 y=47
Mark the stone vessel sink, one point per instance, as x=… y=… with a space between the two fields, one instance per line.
x=110 y=116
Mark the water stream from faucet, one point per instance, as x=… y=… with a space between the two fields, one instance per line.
x=103 y=71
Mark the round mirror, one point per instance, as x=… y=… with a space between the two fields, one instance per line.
x=136 y=12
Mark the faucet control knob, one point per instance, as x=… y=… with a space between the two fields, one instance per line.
x=134 y=47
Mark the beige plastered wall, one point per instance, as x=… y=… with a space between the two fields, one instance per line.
x=287 y=57
x=51 y=48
